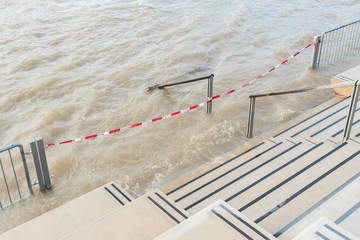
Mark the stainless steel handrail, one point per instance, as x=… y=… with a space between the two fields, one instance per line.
x=209 y=91
x=350 y=117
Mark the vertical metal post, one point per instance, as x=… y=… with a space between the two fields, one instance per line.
x=7 y=186
x=16 y=180
x=43 y=160
x=251 y=117
x=351 y=113
x=210 y=92
x=27 y=175
x=37 y=165
x=315 y=51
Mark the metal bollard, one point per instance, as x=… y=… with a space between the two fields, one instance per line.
x=315 y=51
x=44 y=165
x=37 y=165
x=210 y=92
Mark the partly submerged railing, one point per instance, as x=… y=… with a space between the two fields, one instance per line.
x=14 y=180
x=10 y=172
x=350 y=116
x=209 y=91
x=336 y=44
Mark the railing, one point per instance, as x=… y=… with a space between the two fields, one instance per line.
x=336 y=44
x=11 y=183
x=350 y=117
x=209 y=91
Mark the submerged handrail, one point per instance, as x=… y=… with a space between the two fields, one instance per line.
x=350 y=117
x=210 y=79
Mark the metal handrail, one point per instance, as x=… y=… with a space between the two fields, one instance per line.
x=209 y=92
x=350 y=117
x=8 y=148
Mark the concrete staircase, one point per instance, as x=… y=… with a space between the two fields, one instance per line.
x=144 y=218
x=217 y=221
x=294 y=183
x=72 y=215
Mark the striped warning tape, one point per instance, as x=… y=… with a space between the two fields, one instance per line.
x=178 y=112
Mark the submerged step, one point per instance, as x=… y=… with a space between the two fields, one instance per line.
x=144 y=218
x=65 y=219
x=217 y=221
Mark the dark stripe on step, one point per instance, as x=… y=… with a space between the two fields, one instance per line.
x=112 y=194
x=306 y=187
x=342 y=130
x=272 y=173
x=322 y=236
x=245 y=223
x=123 y=194
x=162 y=209
x=332 y=124
x=336 y=232
x=240 y=177
x=328 y=126
x=172 y=206
x=348 y=213
x=229 y=171
x=289 y=179
x=214 y=168
x=318 y=204
x=303 y=130
x=231 y=224
x=308 y=118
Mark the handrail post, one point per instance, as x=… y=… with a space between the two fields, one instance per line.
x=315 y=51
x=351 y=113
x=210 y=92
x=251 y=117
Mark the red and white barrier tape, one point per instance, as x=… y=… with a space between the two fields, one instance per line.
x=178 y=112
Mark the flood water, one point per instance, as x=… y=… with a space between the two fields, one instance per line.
x=70 y=69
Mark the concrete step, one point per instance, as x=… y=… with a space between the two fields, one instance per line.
x=325 y=229
x=310 y=121
x=248 y=182
x=67 y=218
x=144 y=218
x=350 y=75
x=340 y=206
x=332 y=129
x=217 y=221
x=229 y=162
x=337 y=136
x=209 y=188
x=287 y=199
